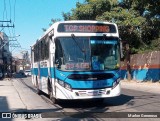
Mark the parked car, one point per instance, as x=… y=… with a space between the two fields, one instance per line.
x=21 y=72
x=27 y=72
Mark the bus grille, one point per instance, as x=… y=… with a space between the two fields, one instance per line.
x=91 y=77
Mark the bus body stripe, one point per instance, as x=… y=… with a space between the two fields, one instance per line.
x=83 y=84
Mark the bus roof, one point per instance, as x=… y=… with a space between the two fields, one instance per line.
x=72 y=21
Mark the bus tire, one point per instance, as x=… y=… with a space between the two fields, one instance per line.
x=50 y=93
x=38 y=91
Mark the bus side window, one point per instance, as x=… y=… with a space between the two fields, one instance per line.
x=58 y=54
x=43 y=49
x=46 y=48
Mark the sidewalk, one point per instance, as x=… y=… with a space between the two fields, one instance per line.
x=141 y=86
x=10 y=99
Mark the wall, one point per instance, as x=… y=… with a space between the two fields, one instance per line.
x=144 y=67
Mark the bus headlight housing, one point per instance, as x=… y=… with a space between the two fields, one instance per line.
x=118 y=80
x=61 y=83
x=115 y=83
x=65 y=85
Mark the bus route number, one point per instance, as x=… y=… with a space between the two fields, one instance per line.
x=70 y=66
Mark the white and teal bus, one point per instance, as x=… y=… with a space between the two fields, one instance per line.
x=77 y=60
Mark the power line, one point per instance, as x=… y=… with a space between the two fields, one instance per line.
x=5 y=11
x=10 y=9
x=14 y=12
x=12 y=44
x=7 y=25
x=6 y=21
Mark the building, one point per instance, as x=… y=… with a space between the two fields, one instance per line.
x=5 y=54
x=7 y=62
x=21 y=61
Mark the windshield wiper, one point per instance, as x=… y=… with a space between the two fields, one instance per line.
x=82 y=50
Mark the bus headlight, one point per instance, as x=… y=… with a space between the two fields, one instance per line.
x=61 y=83
x=65 y=85
x=118 y=80
x=115 y=83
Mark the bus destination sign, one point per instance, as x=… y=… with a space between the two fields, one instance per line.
x=86 y=28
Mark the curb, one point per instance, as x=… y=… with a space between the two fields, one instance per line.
x=149 y=87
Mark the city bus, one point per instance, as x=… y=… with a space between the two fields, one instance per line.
x=77 y=60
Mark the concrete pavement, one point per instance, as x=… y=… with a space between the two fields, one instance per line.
x=16 y=97
x=141 y=86
x=13 y=99
x=9 y=97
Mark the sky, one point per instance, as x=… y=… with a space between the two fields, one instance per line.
x=30 y=16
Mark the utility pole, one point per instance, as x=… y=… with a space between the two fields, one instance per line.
x=7 y=41
x=2 y=46
x=6 y=21
x=7 y=24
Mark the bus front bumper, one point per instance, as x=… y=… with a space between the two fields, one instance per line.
x=63 y=93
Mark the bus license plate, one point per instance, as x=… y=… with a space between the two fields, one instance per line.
x=93 y=93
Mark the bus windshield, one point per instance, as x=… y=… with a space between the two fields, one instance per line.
x=86 y=53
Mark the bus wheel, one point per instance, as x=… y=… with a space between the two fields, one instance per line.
x=50 y=93
x=38 y=91
x=54 y=100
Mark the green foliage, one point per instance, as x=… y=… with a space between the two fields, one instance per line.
x=136 y=20
x=50 y=24
x=55 y=20
x=66 y=16
x=43 y=29
x=89 y=10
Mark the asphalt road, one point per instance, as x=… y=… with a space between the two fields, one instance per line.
x=129 y=101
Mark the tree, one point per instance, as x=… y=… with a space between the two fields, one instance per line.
x=89 y=10
x=43 y=29
x=149 y=10
x=138 y=20
x=50 y=24
x=66 y=16
x=54 y=20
